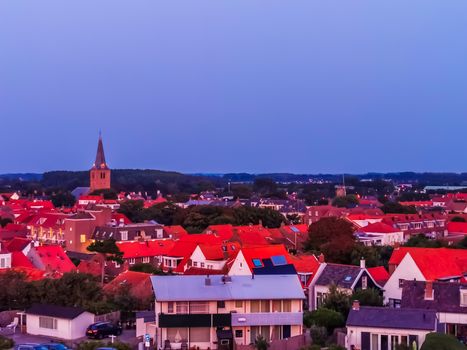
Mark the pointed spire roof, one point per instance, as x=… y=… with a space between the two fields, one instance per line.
x=100 y=163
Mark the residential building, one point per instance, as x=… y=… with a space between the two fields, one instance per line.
x=215 y=311
x=381 y=328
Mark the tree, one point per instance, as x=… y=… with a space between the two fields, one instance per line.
x=132 y=209
x=5 y=221
x=318 y=335
x=347 y=201
x=440 y=341
x=6 y=343
x=337 y=300
x=107 y=193
x=261 y=343
x=108 y=251
x=423 y=242
x=16 y=292
x=368 y=297
x=333 y=237
x=63 y=199
x=327 y=318
x=163 y=213
x=397 y=208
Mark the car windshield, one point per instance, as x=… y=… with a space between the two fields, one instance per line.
x=57 y=346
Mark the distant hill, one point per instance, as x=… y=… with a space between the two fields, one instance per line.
x=21 y=176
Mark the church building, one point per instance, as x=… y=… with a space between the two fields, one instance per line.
x=100 y=172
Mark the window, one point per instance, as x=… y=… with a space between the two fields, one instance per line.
x=146 y=260
x=170 y=307
x=364 y=282
x=239 y=333
x=177 y=335
x=374 y=341
x=238 y=304
x=394 y=342
x=257 y=263
x=182 y=307
x=401 y=283
x=254 y=306
x=2 y=263
x=287 y=305
x=131 y=261
x=195 y=264
x=198 y=307
x=221 y=304
x=117 y=265
x=47 y=322
x=463 y=297
x=124 y=235
x=200 y=334
x=202 y=265
x=395 y=303
x=265 y=306
x=82 y=238
x=276 y=306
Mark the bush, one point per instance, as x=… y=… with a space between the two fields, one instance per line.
x=335 y=347
x=260 y=343
x=318 y=335
x=311 y=347
x=94 y=344
x=6 y=343
x=439 y=341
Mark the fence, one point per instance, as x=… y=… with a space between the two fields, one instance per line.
x=110 y=317
x=293 y=343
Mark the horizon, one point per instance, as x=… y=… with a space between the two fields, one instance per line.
x=215 y=87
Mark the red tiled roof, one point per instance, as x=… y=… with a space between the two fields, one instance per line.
x=457 y=227
x=434 y=263
x=18 y=259
x=223 y=231
x=119 y=216
x=17 y=244
x=202 y=271
x=139 y=284
x=305 y=263
x=54 y=258
x=264 y=252
x=378 y=227
x=135 y=249
x=379 y=274
x=175 y=231
x=220 y=251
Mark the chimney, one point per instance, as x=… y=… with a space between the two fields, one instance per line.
x=207 y=281
x=429 y=290
x=356 y=305
x=362 y=263
x=321 y=258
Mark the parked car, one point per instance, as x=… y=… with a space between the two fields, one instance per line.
x=101 y=330
x=30 y=346
x=55 y=346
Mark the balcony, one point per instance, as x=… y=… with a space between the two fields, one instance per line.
x=267 y=318
x=194 y=320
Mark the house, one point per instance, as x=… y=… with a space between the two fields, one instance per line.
x=51 y=259
x=215 y=311
x=317 y=212
x=422 y=264
x=5 y=257
x=380 y=234
x=347 y=278
x=213 y=257
x=54 y=321
x=252 y=257
x=447 y=298
x=381 y=328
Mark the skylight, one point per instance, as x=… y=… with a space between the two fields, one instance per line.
x=278 y=260
x=257 y=263
x=348 y=278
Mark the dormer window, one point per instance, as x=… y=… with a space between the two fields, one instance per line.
x=429 y=292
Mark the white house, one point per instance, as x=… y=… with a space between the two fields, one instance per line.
x=422 y=264
x=5 y=258
x=54 y=321
x=381 y=328
x=380 y=234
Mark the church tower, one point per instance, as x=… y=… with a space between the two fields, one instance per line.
x=100 y=172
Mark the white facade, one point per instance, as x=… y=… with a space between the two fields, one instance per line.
x=240 y=266
x=61 y=328
x=406 y=270
x=380 y=238
x=5 y=260
x=377 y=335
x=199 y=260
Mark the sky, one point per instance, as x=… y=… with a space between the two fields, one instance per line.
x=234 y=86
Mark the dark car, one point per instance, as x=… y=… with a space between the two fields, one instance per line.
x=103 y=329
x=55 y=346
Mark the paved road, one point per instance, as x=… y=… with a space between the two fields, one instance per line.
x=128 y=336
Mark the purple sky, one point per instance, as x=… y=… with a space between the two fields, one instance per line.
x=231 y=86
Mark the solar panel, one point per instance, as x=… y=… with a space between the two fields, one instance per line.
x=257 y=263
x=294 y=229
x=278 y=260
x=348 y=278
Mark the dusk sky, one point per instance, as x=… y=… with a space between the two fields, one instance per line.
x=234 y=86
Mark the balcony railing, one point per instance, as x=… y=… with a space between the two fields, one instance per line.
x=194 y=320
x=267 y=318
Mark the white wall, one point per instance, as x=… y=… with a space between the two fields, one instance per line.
x=240 y=266
x=66 y=329
x=354 y=335
x=407 y=270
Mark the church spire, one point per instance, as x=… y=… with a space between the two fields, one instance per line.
x=100 y=163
